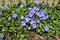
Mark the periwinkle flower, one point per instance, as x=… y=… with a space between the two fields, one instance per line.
x=35 y=8
x=23 y=23
x=36 y=1
x=0 y=13
x=9 y=18
x=34 y=26
x=27 y=19
x=32 y=11
x=22 y=17
x=30 y=8
x=42 y=11
x=14 y=15
x=21 y=6
x=1 y=35
x=46 y=28
x=32 y=17
x=45 y=17
x=4 y=7
x=32 y=22
x=29 y=15
x=37 y=13
x=40 y=14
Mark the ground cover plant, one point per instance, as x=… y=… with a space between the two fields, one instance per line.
x=18 y=20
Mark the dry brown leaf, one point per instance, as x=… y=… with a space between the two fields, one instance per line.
x=57 y=37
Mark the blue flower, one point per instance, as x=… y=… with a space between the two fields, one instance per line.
x=4 y=7
x=42 y=11
x=21 y=6
x=45 y=17
x=29 y=15
x=34 y=26
x=27 y=19
x=9 y=18
x=14 y=15
x=32 y=22
x=36 y=1
x=0 y=13
x=32 y=17
x=23 y=23
x=35 y=8
x=1 y=35
x=32 y=11
x=22 y=17
x=38 y=14
x=46 y=28
x=41 y=15
x=29 y=8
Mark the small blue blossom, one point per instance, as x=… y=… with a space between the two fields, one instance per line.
x=21 y=6
x=40 y=14
x=22 y=17
x=32 y=11
x=14 y=15
x=32 y=22
x=0 y=13
x=29 y=15
x=27 y=19
x=4 y=7
x=42 y=11
x=29 y=8
x=32 y=17
x=9 y=18
x=36 y=1
x=34 y=26
x=46 y=28
x=45 y=17
x=35 y=8
x=1 y=35
x=37 y=13
x=23 y=23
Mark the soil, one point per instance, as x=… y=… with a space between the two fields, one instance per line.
x=34 y=36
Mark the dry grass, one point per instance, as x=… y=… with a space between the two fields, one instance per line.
x=24 y=1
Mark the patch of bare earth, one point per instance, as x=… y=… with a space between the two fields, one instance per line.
x=34 y=36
